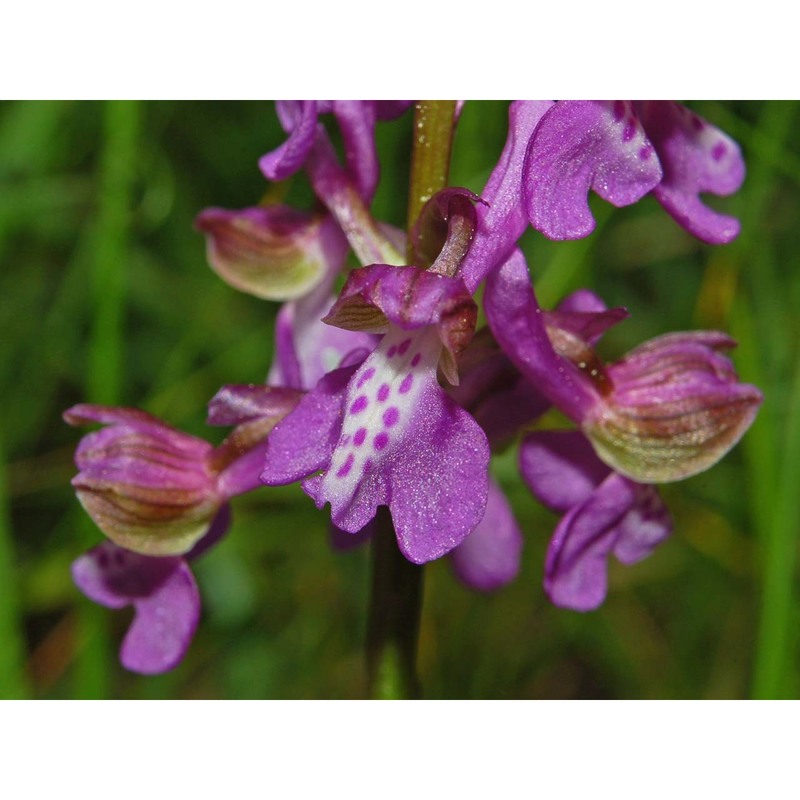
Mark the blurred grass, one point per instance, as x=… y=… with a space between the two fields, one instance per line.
x=97 y=207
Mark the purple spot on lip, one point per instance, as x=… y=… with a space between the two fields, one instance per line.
x=343 y=440
x=718 y=151
x=381 y=440
x=365 y=377
x=390 y=417
x=367 y=465
x=645 y=153
x=346 y=467
x=629 y=132
x=405 y=386
x=392 y=351
x=417 y=358
x=383 y=392
x=404 y=346
x=359 y=404
x=359 y=437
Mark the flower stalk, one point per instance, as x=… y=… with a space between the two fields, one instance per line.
x=396 y=595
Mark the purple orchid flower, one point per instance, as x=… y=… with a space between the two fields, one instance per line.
x=384 y=432
x=671 y=408
x=604 y=513
x=161 y=496
x=623 y=150
x=668 y=410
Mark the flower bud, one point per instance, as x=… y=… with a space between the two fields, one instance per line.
x=675 y=407
x=150 y=488
x=275 y=253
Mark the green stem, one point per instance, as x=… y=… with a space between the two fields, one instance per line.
x=434 y=124
x=395 y=612
x=396 y=600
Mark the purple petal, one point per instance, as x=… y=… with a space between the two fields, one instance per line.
x=582 y=145
x=576 y=566
x=517 y=323
x=237 y=403
x=114 y=577
x=696 y=157
x=582 y=300
x=646 y=525
x=244 y=473
x=406 y=444
x=356 y=120
x=219 y=527
x=163 y=626
x=163 y=593
x=304 y=440
x=504 y=220
x=587 y=326
x=560 y=467
x=489 y=557
x=257 y=410
x=299 y=120
x=440 y=482
x=285 y=369
x=130 y=421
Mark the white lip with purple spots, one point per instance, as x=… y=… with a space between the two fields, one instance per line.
x=381 y=400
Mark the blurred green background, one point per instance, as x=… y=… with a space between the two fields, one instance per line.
x=106 y=297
